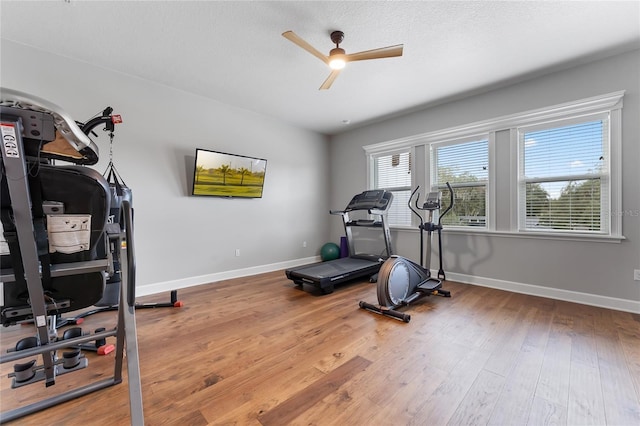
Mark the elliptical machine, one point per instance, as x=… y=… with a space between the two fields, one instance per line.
x=402 y=281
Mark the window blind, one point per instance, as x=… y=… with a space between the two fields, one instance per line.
x=564 y=176
x=465 y=166
x=392 y=172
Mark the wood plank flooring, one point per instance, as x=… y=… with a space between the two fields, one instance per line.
x=259 y=351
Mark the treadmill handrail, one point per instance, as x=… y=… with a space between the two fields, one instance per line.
x=377 y=212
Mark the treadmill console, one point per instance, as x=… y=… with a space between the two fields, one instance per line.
x=378 y=199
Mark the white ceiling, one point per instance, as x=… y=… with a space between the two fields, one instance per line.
x=233 y=52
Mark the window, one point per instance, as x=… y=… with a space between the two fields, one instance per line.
x=464 y=164
x=564 y=175
x=552 y=172
x=392 y=172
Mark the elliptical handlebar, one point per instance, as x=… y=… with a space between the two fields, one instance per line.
x=421 y=227
x=417 y=207
x=441 y=275
x=411 y=207
x=451 y=204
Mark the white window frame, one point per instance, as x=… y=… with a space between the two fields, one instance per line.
x=602 y=177
x=611 y=103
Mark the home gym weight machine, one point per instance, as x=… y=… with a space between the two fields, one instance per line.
x=39 y=284
x=402 y=281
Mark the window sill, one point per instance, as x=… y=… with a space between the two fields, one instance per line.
x=529 y=235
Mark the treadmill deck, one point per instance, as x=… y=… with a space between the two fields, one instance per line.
x=334 y=271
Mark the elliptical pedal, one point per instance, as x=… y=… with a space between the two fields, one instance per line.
x=429 y=285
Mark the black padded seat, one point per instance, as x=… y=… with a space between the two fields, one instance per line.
x=82 y=191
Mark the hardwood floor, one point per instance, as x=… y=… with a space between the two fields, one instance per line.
x=259 y=351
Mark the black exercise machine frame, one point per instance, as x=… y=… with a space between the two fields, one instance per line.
x=427 y=285
x=326 y=275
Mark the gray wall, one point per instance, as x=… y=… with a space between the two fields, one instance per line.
x=183 y=240
x=589 y=272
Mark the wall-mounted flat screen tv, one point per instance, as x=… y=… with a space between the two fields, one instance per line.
x=219 y=174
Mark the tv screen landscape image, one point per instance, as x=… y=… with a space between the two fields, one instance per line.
x=219 y=174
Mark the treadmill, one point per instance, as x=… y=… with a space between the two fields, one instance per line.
x=325 y=275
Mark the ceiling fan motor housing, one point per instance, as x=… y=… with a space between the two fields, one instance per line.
x=337 y=37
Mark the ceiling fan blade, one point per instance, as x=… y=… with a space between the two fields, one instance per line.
x=383 y=52
x=293 y=37
x=329 y=81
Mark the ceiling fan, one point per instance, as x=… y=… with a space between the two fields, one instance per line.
x=337 y=58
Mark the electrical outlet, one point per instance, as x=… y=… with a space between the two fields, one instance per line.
x=237 y=252
x=636 y=274
x=304 y=244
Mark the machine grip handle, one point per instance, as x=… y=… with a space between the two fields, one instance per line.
x=105 y=119
x=451 y=204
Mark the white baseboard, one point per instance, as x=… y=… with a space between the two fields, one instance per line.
x=534 y=290
x=155 y=288
x=551 y=293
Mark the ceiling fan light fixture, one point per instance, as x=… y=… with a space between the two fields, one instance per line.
x=337 y=59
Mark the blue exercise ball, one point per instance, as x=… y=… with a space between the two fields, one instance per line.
x=329 y=251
